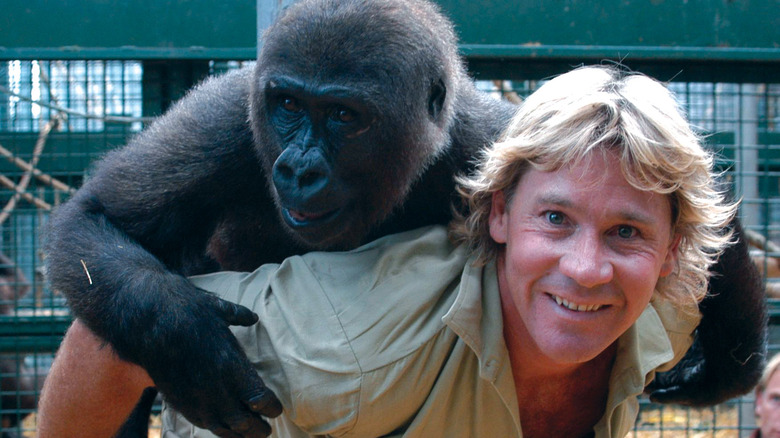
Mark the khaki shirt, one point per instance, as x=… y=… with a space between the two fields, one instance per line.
x=403 y=337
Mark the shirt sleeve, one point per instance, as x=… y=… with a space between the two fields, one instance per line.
x=340 y=332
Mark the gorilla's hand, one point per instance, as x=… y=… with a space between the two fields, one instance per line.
x=696 y=381
x=685 y=383
x=202 y=371
x=729 y=348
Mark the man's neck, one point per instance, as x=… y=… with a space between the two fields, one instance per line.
x=564 y=402
x=555 y=398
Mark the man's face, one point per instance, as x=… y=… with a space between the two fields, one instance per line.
x=768 y=408
x=583 y=253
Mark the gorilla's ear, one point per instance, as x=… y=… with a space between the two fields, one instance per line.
x=436 y=98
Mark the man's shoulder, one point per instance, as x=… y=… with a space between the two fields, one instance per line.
x=676 y=318
x=391 y=258
x=397 y=287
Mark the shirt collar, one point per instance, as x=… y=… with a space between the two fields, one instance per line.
x=475 y=317
x=642 y=349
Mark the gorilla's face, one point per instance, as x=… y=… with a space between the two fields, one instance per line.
x=342 y=147
x=327 y=167
x=348 y=112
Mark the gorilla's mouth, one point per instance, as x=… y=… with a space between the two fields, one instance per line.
x=301 y=219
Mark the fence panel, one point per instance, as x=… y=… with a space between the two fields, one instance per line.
x=58 y=116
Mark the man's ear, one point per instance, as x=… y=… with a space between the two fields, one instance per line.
x=672 y=255
x=499 y=219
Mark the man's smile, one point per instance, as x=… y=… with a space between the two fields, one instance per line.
x=576 y=307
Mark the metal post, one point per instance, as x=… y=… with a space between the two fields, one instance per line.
x=747 y=163
x=267 y=11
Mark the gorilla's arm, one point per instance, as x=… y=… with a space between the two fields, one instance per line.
x=729 y=349
x=118 y=248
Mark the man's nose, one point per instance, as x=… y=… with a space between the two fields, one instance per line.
x=585 y=260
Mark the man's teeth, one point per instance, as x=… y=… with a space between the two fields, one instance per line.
x=577 y=307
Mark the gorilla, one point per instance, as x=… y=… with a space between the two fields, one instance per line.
x=350 y=126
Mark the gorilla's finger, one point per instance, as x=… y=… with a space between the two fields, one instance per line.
x=267 y=405
x=234 y=314
x=672 y=394
x=264 y=402
x=249 y=426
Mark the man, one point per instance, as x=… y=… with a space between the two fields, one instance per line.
x=768 y=401
x=591 y=228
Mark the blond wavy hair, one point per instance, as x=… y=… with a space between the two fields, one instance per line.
x=769 y=370
x=604 y=108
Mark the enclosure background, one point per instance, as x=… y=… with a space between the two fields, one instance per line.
x=77 y=78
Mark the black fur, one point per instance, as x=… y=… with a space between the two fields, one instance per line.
x=734 y=319
x=351 y=126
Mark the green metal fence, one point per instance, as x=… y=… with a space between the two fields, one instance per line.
x=58 y=116
x=78 y=77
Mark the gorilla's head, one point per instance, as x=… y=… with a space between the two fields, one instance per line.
x=350 y=102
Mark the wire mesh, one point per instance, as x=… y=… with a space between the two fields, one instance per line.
x=57 y=117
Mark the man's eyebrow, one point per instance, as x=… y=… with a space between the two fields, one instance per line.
x=638 y=217
x=628 y=215
x=554 y=199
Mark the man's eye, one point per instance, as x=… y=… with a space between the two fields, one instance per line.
x=626 y=232
x=289 y=104
x=555 y=217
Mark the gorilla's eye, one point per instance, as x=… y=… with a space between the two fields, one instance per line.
x=289 y=103
x=343 y=115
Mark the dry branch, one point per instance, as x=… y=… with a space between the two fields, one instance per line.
x=42 y=177
x=39 y=203
x=21 y=187
x=509 y=95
